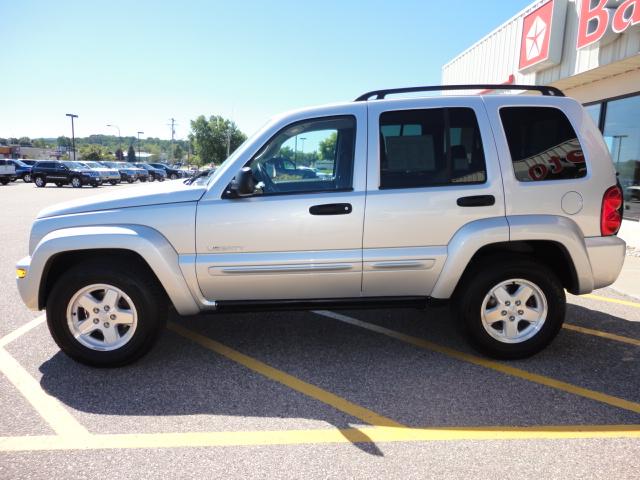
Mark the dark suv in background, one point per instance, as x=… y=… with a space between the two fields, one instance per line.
x=64 y=173
x=172 y=173
x=154 y=173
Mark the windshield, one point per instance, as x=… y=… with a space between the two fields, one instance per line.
x=93 y=164
x=130 y=165
x=20 y=163
x=224 y=166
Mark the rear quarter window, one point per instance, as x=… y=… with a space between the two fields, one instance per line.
x=543 y=144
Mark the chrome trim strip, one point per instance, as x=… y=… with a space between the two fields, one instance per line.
x=426 y=264
x=296 y=268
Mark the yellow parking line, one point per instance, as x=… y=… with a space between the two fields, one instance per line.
x=493 y=365
x=17 y=333
x=290 y=381
x=611 y=300
x=306 y=437
x=599 y=333
x=49 y=408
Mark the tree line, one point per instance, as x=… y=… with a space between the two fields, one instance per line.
x=210 y=141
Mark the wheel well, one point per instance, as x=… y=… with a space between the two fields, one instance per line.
x=61 y=262
x=552 y=254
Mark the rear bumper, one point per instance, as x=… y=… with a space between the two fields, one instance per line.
x=606 y=255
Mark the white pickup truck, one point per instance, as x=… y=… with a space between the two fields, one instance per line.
x=7 y=172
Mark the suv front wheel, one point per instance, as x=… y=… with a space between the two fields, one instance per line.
x=104 y=317
x=510 y=307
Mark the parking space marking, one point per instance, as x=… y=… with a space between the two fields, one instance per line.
x=493 y=365
x=17 y=333
x=317 y=436
x=611 y=300
x=49 y=408
x=600 y=333
x=290 y=381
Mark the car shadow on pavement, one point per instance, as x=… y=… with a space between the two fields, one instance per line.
x=412 y=386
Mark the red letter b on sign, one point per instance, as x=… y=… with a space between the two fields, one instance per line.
x=593 y=23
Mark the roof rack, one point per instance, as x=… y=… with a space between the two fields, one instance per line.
x=380 y=94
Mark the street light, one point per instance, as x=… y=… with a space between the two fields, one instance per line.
x=619 y=137
x=119 y=138
x=139 y=158
x=73 y=135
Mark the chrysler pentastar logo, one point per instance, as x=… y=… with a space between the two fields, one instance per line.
x=534 y=41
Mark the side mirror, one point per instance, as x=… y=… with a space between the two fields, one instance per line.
x=243 y=185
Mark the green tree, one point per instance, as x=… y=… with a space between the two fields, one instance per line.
x=64 y=141
x=39 y=143
x=119 y=155
x=93 y=152
x=24 y=141
x=13 y=141
x=131 y=154
x=327 y=147
x=211 y=138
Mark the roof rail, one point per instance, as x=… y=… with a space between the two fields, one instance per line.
x=380 y=94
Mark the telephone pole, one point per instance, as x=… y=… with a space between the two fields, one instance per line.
x=173 y=133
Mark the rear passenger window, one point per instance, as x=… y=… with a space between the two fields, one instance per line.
x=543 y=144
x=432 y=147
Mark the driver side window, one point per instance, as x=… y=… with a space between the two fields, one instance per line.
x=309 y=156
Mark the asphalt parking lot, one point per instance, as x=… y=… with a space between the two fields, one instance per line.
x=349 y=394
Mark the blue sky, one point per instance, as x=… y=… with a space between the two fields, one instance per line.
x=139 y=63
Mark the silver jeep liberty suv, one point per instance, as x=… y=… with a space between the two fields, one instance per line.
x=501 y=202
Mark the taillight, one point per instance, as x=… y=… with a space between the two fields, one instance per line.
x=611 y=215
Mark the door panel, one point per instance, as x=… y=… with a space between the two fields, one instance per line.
x=413 y=226
x=288 y=245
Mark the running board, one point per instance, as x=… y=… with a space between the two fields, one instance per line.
x=357 y=303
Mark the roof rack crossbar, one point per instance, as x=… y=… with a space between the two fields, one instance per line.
x=380 y=94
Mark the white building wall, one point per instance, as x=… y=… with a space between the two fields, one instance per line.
x=495 y=57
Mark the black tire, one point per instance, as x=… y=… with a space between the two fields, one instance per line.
x=4 y=181
x=478 y=281
x=143 y=179
x=39 y=181
x=59 y=184
x=113 y=182
x=130 y=180
x=14 y=179
x=26 y=178
x=76 y=182
x=143 y=289
x=173 y=176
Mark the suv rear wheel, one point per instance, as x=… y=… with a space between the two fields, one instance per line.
x=101 y=316
x=76 y=182
x=510 y=307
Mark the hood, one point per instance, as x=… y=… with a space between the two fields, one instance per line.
x=148 y=194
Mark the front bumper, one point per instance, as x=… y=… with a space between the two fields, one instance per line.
x=28 y=291
x=606 y=255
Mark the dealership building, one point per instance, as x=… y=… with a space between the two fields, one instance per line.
x=590 y=49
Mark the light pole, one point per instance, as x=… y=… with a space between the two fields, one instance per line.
x=619 y=137
x=73 y=135
x=119 y=137
x=302 y=139
x=139 y=158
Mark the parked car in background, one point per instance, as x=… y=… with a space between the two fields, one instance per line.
x=143 y=175
x=23 y=170
x=7 y=171
x=127 y=174
x=64 y=173
x=154 y=173
x=172 y=173
x=110 y=175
